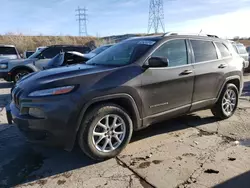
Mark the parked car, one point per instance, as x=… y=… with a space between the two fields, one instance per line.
x=241 y=50
x=13 y=70
x=27 y=54
x=66 y=58
x=97 y=51
x=133 y=84
x=8 y=52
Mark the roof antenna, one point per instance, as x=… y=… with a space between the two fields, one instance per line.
x=200 y=32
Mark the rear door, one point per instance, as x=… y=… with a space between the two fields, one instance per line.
x=210 y=68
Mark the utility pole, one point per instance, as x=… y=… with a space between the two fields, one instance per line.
x=82 y=21
x=156 y=16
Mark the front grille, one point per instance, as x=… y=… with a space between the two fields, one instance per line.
x=16 y=93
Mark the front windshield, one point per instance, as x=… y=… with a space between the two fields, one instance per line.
x=36 y=54
x=100 y=49
x=123 y=53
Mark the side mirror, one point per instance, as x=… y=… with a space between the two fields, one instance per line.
x=158 y=62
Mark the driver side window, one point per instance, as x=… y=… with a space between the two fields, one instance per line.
x=175 y=51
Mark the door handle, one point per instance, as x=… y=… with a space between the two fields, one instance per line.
x=186 y=72
x=222 y=66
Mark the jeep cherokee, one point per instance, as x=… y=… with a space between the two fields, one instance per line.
x=128 y=87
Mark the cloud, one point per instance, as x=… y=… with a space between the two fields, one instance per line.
x=225 y=25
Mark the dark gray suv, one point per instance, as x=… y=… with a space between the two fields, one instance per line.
x=128 y=87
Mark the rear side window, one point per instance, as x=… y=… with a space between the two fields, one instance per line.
x=241 y=49
x=203 y=50
x=223 y=49
x=175 y=51
x=8 y=51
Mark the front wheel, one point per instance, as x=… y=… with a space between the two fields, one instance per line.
x=105 y=131
x=227 y=103
x=18 y=74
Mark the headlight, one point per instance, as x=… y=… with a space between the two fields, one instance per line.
x=52 y=91
x=3 y=65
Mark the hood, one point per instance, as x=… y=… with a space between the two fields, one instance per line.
x=20 y=61
x=8 y=57
x=62 y=73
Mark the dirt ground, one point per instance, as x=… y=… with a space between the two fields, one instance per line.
x=190 y=151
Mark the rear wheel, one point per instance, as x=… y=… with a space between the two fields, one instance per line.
x=18 y=74
x=227 y=103
x=105 y=131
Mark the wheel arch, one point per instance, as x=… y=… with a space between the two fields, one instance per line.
x=126 y=101
x=21 y=67
x=236 y=80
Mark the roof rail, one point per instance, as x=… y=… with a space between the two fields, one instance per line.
x=169 y=34
x=193 y=34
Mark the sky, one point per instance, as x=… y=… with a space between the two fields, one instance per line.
x=225 y=18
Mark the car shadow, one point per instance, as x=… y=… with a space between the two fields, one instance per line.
x=173 y=125
x=22 y=162
x=246 y=89
x=241 y=181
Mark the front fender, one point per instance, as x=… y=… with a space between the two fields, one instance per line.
x=30 y=67
x=101 y=99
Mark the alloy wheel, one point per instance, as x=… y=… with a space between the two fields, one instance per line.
x=109 y=133
x=229 y=102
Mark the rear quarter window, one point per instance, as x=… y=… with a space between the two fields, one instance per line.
x=223 y=49
x=8 y=51
x=203 y=50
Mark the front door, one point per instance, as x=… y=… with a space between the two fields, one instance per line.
x=46 y=56
x=169 y=88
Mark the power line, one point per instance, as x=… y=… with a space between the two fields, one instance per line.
x=156 y=16
x=82 y=21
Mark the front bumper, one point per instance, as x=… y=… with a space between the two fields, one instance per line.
x=57 y=128
x=246 y=64
x=4 y=75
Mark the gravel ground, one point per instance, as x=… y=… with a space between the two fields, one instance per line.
x=190 y=151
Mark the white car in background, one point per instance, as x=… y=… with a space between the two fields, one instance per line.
x=242 y=51
x=8 y=52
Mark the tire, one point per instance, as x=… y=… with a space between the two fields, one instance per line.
x=89 y=144
x=9 y=117
x=219 y=109
x=18 y=74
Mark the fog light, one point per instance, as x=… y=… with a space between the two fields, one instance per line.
x=36 y=112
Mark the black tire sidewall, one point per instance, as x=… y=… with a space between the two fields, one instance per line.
x=85 y=134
